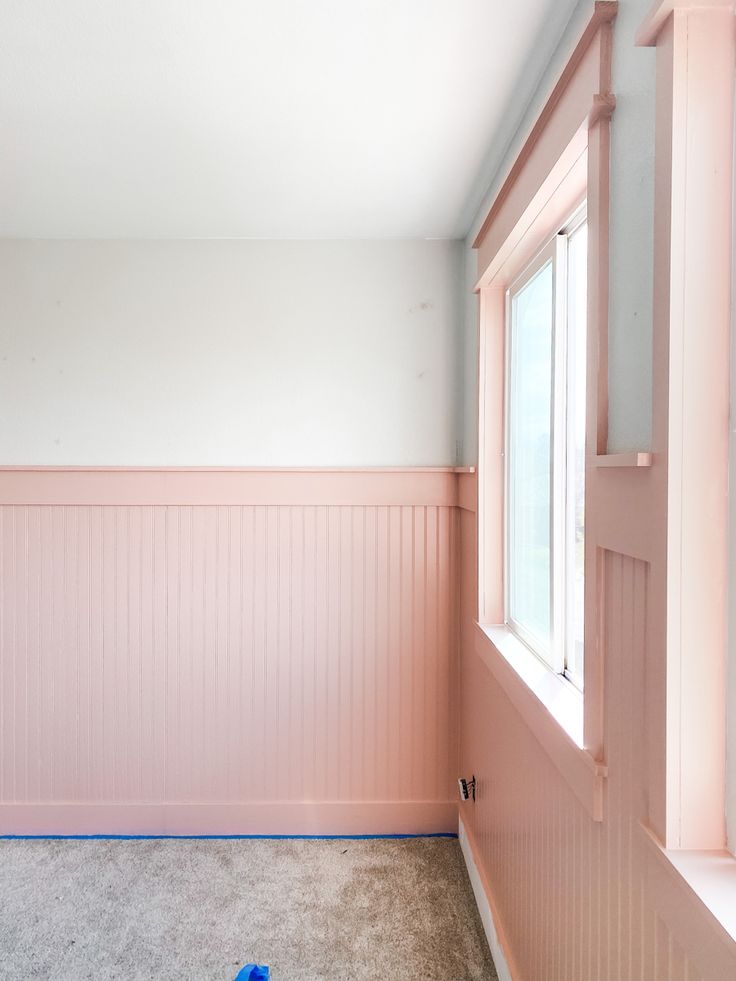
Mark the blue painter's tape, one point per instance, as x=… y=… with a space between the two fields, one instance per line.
x=253 y=972
x=439 y=834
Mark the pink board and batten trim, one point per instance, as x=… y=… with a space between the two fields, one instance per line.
x=188 y=651
x=575 y=898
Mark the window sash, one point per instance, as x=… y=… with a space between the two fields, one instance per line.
x=558 y=653
x=575 y=407
x=542 y=648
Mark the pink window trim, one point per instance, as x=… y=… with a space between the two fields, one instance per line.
x=564 y=161
x=695 y=54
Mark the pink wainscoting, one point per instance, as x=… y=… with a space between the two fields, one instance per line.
x=576 y=899
x=200 y=667
x=601 y=892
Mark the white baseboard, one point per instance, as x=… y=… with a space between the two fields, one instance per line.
x=484 y=908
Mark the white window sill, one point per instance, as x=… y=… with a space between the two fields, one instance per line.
x=550 y=706
x=563 y=702
x=674 y=875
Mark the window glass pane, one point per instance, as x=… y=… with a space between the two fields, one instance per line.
x=577 y=263
x=529 y=465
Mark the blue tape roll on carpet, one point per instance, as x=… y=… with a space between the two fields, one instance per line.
x=253 y=972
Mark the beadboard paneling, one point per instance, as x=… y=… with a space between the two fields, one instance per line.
x=574 y=899
x=233 y=655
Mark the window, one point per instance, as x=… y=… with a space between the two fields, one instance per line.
x=543 y=265
x=545 y=452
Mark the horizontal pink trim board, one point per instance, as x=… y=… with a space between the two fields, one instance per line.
x=225 y=818
x=170 y=485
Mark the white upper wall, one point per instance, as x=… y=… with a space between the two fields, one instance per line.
x=631 y=230
x=244 y=119
x=230 y=353
x=251 y=119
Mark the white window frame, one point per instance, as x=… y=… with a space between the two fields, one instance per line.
x=562 y=499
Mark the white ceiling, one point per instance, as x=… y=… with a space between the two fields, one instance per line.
x=258 y=118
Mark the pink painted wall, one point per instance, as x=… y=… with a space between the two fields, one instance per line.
x=640 y=887
x=576 y=899
x=227 y=667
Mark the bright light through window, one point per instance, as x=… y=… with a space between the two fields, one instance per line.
x=545 y=487
x=530 y=448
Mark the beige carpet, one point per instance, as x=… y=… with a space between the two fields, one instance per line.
x=401 y=910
